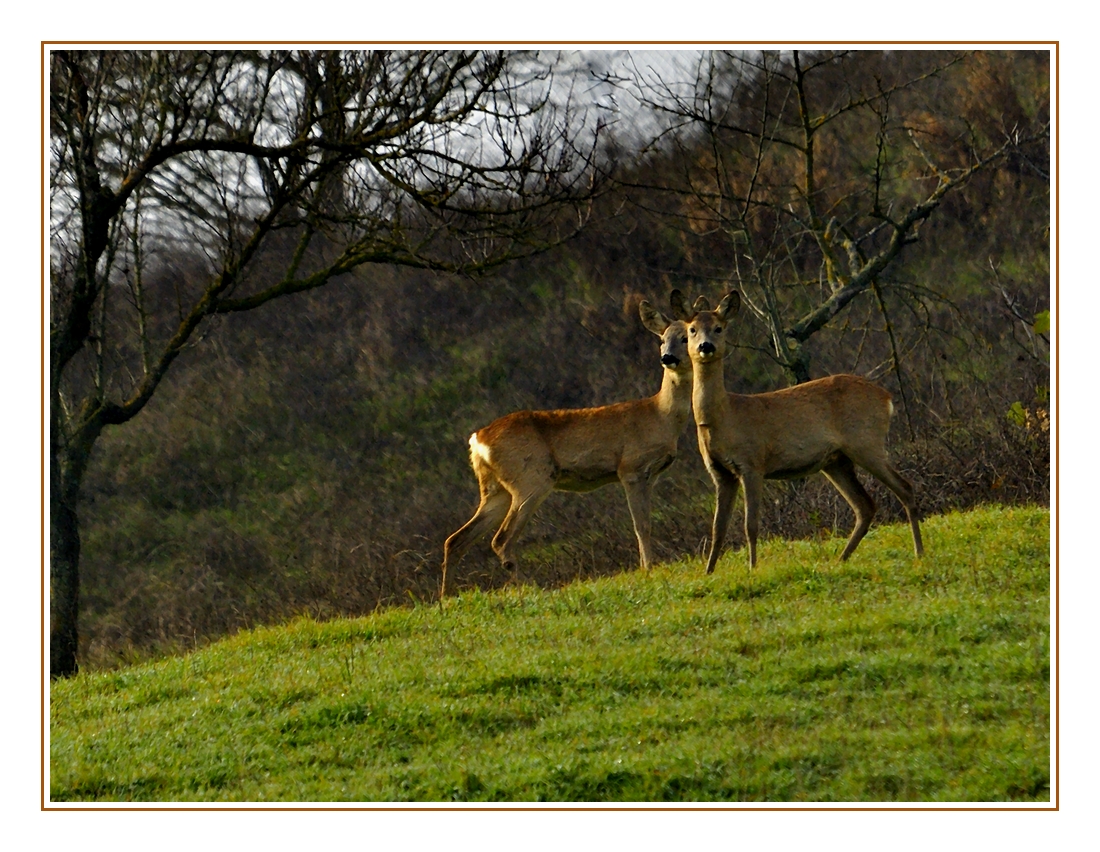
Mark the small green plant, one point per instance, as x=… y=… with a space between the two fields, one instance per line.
x=1034 y=421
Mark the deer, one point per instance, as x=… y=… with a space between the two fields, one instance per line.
x=520 y=458
x=828 y=425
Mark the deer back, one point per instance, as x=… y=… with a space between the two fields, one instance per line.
x=797 y=430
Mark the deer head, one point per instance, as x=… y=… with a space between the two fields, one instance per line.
x=673 y=334
x=707 y=329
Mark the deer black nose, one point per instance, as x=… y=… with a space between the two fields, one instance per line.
x=669 y=360
x=706 y=348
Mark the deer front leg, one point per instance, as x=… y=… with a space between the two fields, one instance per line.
x=753 y=483
x=638 y=488
x=725 y=493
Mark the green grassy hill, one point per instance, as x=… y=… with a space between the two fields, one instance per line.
x=882 y=679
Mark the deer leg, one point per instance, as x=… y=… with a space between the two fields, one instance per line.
x=492 y=509
x=638 y=490
x=523 y=506
x=725 y=484
x=753 y=483
x=842 y=474
x=888 y=475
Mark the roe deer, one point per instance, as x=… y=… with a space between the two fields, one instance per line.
x=827 y=425
x=521 y=457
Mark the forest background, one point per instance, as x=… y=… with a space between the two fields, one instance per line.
x=309 y=456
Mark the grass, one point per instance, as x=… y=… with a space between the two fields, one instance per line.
x=881 y=679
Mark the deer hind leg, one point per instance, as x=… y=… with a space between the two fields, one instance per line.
x=519 y=513
x=638 y=493
x=842 y=474
x=490 y=512
x=885 y=472
x=726 y=485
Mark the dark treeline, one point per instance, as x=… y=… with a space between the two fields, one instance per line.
x=310 y=455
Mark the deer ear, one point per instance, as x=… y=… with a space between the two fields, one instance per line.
x=729 y=306
x=679 y=308
x=652 y=318
x=701 y=304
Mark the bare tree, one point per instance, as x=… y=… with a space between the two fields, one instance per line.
x=817 y=169
x=277 y=171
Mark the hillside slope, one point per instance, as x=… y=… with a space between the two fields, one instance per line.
x=882 y=679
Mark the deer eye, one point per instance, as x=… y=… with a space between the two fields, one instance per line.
x=692 y=329
x=718 y=329
x=684 y=340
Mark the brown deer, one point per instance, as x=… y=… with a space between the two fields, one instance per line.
x=828 y=425
x=521 y=457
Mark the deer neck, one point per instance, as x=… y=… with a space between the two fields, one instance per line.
x=674 y=397
x=709 y=400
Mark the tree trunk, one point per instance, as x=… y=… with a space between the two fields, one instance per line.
x=64 y=570
x=68 y=461
x=797 y=362
x=64 y=580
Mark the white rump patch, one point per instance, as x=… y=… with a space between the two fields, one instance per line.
x=890 y=407
x=479 y=449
